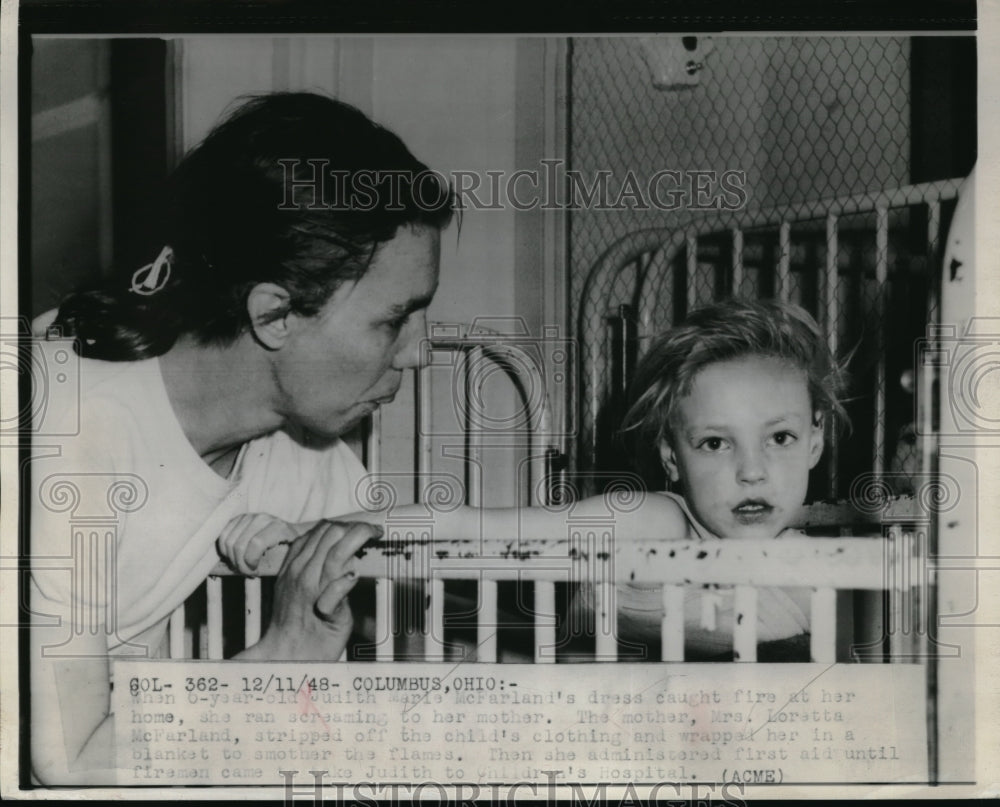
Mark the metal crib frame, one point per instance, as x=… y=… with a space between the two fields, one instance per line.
x=652 y=253
x=592 y=552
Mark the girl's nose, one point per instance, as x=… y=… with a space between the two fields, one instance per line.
x=751 y=469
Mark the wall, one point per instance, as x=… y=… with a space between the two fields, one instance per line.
x=803 y=117
x=70 y=176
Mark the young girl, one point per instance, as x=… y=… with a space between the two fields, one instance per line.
x=735 y=401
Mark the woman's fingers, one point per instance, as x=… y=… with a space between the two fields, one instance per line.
x=334 y=596
x=324 y=551
x=303 y=548
x=339 y=558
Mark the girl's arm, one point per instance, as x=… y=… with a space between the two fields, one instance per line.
x=646 y=515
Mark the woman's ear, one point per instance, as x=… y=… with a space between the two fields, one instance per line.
x=816 y=438
x=669 y=460
x=268 y=308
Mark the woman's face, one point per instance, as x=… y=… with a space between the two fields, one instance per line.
x=743 y=444
x=340 y=365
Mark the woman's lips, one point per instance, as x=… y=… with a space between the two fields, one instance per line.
x=752 y=511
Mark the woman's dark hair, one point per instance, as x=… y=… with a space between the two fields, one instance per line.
x=295 y=189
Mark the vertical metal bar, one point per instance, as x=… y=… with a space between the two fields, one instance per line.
x=881 y=278
x=745 y=623
x=467 y=365
x=214 y=589
x=177 y=632
x=928 y=467
x=606 y=610
x=434 y=638
x=252 y=611
x=830 y=284
x=672 y=627
x=737 y=261
x=926 y=374
x=907 y=582
x=486 y=623
x=384 y=644
x=895 y=592
x=606 y=642
x=424 y=423
x=692 y=271
x=486 y=619
x=384 y=639
x=784 y=260
x=545 y=625
x=823 y=625
x=625 y=333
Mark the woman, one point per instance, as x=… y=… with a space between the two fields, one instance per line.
x=300 y=253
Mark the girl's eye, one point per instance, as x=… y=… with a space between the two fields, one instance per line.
x=784 y=438
x=712 y=444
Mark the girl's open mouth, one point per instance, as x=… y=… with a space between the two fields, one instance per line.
x=752 y=511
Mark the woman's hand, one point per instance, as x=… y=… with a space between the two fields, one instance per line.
x=312 y=619
x=246 y=538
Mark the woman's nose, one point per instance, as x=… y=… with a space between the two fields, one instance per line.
x=411 y=352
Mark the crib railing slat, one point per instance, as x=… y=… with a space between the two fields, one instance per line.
x=606 y=619
x=176 y=629
x=904 y=591
x=745 y=623
x=434 y=633
x=823 y=625
x=384 y=638
x=214 y=625
x=252 y=611
x=486 y=622
x=545 y=622
x=424 y=425
x=672 y=627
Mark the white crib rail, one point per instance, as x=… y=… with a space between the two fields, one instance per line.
x=825 y=565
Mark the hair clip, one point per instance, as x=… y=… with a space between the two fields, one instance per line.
x=152 y=277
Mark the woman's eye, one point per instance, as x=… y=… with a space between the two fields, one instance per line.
x=397 y=323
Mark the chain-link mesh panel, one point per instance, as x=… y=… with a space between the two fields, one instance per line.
x=783 y=174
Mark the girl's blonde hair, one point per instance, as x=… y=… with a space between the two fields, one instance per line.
x=721 y=332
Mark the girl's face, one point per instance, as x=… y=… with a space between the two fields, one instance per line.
x=743 y=444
